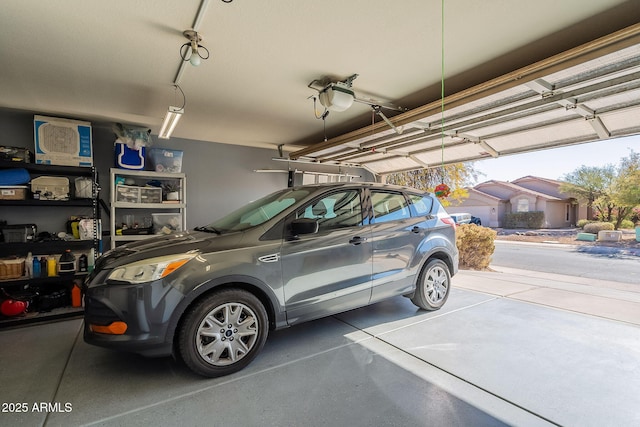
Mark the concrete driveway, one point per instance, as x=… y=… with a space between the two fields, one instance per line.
x=510 y=347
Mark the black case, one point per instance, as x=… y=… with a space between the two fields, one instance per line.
x=18 y=233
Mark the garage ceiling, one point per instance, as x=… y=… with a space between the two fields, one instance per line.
x=519 y=76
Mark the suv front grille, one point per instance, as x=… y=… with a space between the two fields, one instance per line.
x=97 y=313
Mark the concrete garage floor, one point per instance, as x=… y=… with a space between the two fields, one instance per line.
x=511 y=347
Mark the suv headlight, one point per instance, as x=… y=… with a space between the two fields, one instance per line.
x=150 y=269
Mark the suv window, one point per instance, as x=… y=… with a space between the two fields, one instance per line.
x=336 y=210
x=389 y=206
x=421 y=205
x=259 y=211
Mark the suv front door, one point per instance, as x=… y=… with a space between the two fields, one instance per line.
x=328 y=271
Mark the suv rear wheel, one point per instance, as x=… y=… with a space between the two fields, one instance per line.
x=434 y=284
x=223 y=333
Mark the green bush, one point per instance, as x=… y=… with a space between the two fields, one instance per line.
x=582 y=222
x=475 y=246
x=524 y=219
x=627 y=224
x=595 y=227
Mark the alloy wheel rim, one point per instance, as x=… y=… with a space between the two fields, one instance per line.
x=227 y=334
x=436 y=284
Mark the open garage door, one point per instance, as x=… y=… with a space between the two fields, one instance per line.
x=586 y=94
x=482 y=212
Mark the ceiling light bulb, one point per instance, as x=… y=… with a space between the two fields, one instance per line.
x=195 y=58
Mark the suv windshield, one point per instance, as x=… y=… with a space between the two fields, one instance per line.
x=257 y=212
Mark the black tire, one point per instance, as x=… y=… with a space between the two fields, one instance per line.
x=433 y=286
x=223 y=333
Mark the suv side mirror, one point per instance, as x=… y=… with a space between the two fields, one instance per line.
x=304 y=226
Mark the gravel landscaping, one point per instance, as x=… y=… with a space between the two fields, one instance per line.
x=564 y=236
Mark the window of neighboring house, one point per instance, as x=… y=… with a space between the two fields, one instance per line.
x=523 y=205
x=566 y=212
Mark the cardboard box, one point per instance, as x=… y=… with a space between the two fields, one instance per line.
x=62 y=141
x=13 y=193
x=165 y=160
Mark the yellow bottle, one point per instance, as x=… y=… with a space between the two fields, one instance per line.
x=51 y=267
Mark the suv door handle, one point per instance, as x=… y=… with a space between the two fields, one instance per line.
x=416 y=229
x=357 y=240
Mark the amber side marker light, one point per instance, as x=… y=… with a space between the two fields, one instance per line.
x=115 y=328
x=173 y=267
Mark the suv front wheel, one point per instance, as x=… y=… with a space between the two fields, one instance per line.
x=434 y=284
x=223 y=333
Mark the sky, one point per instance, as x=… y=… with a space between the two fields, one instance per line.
x=555 y=163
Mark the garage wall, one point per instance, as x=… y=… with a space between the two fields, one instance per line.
x=220 y=177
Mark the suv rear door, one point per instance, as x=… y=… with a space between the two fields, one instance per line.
x=397 y=235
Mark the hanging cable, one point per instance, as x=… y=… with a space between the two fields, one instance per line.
x=184 y=98
x=442 y=90
x=442 y=190
x=322 y=116
x=315 y=110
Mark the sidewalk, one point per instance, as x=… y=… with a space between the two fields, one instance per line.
x=607 y=299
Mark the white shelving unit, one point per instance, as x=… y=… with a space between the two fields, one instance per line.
x=120 y=208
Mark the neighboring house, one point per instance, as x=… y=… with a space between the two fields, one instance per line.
x=490 y=200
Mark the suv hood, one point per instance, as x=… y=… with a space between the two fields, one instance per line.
x=176 y=243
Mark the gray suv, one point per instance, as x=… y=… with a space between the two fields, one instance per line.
x=211 y=295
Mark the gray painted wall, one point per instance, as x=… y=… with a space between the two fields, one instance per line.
x=220 y=177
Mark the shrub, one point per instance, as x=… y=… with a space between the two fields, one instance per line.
x=626 y=224
x=581 y=223
x=475 y=245
x=524 y=220
x=595 y=227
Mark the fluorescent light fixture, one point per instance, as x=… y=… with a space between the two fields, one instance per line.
x=170 y=122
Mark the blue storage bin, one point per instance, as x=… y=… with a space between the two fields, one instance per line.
x=14 y=176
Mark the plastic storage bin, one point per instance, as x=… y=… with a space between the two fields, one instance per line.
x=50 y=187
x=165 y=160
x=166 y=223
x=132 y=194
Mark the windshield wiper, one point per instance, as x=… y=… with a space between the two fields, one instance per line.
x=208 y=229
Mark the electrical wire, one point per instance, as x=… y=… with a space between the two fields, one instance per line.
x=442 y=90
x=185 y=54
x=184 y=98
x=324 y=114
